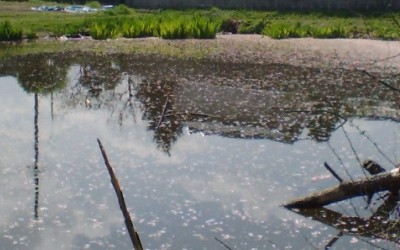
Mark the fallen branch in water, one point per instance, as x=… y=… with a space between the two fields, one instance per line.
x=222 y=243
x=186 y=114
x=128 y=221
x=389 y=181
x=333 y=172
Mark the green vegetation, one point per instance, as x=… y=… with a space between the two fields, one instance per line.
x=164 y=26
x=9 y=33
x=280 y=31
x=122 y=21
x=93 y=4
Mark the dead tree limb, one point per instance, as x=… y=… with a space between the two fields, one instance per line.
x=380 y=81
x=349 y=189
x=333 y=172
x=128 y=221
x=163 y=113
x=222 y=243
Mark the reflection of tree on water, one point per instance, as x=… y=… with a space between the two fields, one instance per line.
x=36 y=166
x=382 y=224
x=97 y=76
x=156 y=98
x=284 y=101
x=40 y=75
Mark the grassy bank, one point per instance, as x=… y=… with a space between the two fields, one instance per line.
x=18 y=20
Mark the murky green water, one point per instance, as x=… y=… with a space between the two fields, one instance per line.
x=205 y=152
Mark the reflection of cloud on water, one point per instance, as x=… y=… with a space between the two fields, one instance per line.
x=230 y=180
x=248 y=203
x=11 y=96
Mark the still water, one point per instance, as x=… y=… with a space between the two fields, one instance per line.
x=206 y=152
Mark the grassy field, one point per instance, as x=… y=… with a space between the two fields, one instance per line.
x=18 y=21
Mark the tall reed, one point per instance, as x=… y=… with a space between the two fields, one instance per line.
x=281 y=31
x=9 y=33
x=166 y=26
x=104 y=29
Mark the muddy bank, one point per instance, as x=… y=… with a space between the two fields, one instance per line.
x=349 y=53
x=372 y=55
x=321 y=53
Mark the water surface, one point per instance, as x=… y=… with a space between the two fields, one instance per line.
x=205 y=152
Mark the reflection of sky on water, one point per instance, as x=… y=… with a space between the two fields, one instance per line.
x=209 y=187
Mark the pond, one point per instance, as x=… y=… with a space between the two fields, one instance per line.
x=206 y=152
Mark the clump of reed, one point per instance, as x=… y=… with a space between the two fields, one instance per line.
x=282 y=31
x=196 y=27
x=165 y=26
x=9 y=33
x=104 y=29
x=201 y=28
x=140 y=27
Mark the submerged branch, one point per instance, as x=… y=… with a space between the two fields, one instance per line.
x=128 y=221
x=222 y=243
x=163 y=113
x=380 y=81
x=186 y=114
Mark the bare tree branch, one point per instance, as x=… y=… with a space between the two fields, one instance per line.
x=128 y=221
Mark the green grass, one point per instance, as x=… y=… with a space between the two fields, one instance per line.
x=123 y=21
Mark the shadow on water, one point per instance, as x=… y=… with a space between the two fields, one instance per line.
x=382 y=224
x=281 y=103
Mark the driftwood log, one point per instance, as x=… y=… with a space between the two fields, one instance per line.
x=388 y=181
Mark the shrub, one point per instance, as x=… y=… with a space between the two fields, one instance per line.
x=120 y=9
x=93 y=4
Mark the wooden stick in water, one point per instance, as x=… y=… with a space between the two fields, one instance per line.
x=128 y=221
